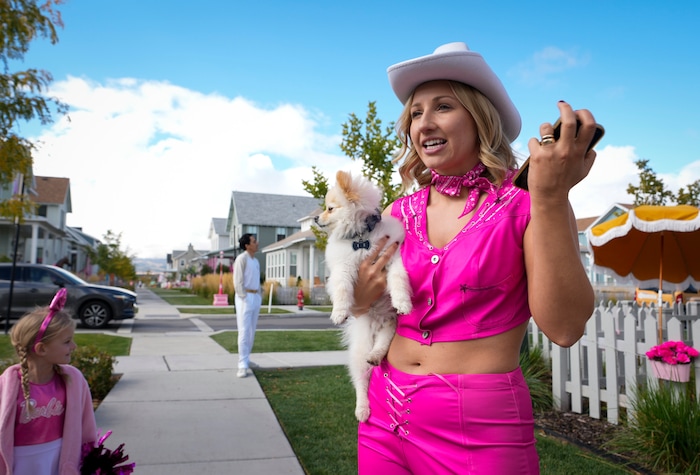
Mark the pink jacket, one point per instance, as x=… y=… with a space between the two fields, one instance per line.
x=79 y=424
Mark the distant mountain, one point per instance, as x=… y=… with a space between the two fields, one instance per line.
x=154 y=266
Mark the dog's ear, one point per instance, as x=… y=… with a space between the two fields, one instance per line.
x=344 y=180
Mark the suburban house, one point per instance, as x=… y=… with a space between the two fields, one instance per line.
x=182 y=262
x=296 y=257
x=220 y=252
x=271 y=218
x=44 y=237
x=218 y=234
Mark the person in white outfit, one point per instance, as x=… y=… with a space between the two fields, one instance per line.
x=246 y=282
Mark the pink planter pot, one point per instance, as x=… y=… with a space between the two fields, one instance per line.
x=671 y=372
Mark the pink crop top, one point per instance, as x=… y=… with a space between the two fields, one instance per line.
x=475 y=286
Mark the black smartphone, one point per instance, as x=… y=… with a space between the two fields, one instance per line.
x=520 y=179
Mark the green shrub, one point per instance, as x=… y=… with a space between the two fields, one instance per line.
x=663 y=434
x=98 y=368
x=538 y=376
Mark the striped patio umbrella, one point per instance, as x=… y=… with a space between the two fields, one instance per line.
x=652 y=245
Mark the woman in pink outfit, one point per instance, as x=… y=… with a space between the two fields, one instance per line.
x=483 y=256
x=46 y=412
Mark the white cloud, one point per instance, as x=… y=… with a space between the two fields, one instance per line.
x=156 y=162
x=607 y=182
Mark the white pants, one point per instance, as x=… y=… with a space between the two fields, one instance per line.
x=247 y=311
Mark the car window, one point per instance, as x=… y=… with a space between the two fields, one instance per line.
x=39 y=275
x=6 y=272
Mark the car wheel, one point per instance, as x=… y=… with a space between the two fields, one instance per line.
x=95 y=314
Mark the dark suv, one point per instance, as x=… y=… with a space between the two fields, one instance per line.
x=36 y=284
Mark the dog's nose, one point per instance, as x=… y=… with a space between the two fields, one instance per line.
x=316 y=219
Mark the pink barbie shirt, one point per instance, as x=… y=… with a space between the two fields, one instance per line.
x=475 y=286
x=45 y=422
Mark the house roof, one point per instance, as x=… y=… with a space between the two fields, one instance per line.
x=583 y=223
x=295 y=238
x=52 y=190
x=177 y=254
x=263 y=209
x=219 y=225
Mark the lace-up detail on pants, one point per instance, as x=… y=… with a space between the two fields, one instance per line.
x=398 y=405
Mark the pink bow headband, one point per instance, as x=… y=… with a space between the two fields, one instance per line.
x=57 y=304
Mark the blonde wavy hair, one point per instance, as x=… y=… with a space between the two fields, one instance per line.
x=23 y=338
x=495 y=151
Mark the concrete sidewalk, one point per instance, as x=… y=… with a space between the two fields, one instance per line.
x=179 y=408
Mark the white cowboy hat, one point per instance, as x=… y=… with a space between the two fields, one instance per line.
x=455 y=62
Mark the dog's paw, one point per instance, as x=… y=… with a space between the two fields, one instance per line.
x=403 y=306
x=338 y=317
x=362 y=412
x=374 y=360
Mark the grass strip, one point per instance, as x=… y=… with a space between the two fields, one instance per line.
x=113 y=345
x=270 y=341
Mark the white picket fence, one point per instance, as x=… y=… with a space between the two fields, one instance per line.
x=599 y=371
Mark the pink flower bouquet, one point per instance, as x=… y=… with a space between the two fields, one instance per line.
x=673 y=353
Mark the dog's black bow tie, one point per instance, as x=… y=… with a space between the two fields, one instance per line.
x=360 y=245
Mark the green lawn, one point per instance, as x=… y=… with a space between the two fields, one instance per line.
x=113 y=345
x=268 y=341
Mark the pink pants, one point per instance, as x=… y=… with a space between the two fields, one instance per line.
x=447 y=424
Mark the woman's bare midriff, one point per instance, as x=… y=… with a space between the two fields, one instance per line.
x=495 y=354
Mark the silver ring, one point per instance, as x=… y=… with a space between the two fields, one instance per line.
x=547 y=139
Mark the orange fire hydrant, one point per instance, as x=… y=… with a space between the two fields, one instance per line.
x=300 y=299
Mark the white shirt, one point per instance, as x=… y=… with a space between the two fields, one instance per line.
x=246 y=274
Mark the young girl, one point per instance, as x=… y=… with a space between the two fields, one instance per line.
x=46 y=411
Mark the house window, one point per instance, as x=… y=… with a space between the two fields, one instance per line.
x=251 y=230
x=281 y=233
x=41 y=210
x=293 y=264
x=275 y=265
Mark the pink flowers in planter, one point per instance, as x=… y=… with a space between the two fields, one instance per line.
x=673 y=353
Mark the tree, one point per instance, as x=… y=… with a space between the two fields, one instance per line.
x=22 y=92
x=318 y=189
x=651 y=189
x=369 y=143
x=112 y=260
x=691 y=196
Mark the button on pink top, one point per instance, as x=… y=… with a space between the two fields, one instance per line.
x=475 y=286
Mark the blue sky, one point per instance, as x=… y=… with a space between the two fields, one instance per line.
x=174 y=104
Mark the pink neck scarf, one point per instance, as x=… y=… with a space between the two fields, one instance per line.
x=452 y=185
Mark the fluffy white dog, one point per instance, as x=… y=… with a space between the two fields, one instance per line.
x=355 y=224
